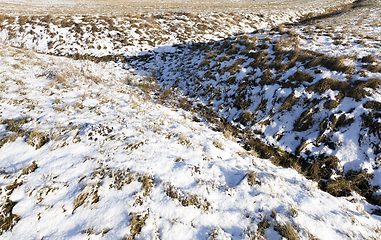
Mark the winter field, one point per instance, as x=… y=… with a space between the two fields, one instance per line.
x=190 y=119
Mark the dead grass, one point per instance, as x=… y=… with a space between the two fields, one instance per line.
x=305 y=121
x=30 y=169
x=7 y=218
x=11 y=187
x=252 y=178
x=218 y=144
x=374 y=105
x=147 y=183
x=186 y=199
x=10 y=138
x=354 y=90
x=287 y=231
x=136 y=224
x=121 y=177
x=369 y=59
x=263 y=225
x=246 y=118
x=290 y=101
x=37 y=139
x=15 y=125
x=301 y=77
x=332 y=63
x=80 y=200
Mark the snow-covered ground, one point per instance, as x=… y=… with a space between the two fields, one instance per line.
x=135 y=34
x=123 y=7
x=308 y=89
x=116 y=164
x=89 y=151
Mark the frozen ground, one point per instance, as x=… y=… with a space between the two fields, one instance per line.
x=122 y=7
x=95 y=150
x=97 y=158
x=309 y=89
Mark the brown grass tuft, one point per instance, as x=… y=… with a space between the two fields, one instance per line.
x=289 y=102
x=287 y=231
x=37 y=139
x=7 y=218
x=252 y=178
x=136 y=223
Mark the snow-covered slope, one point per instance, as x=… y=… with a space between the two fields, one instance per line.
x=130 y=34
x=88 y=156
x=118 y=149
x=312 y=90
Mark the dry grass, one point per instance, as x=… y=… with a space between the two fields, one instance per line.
x=263 y=225
x=186 y=199
x=305 y=121
x=374 y=105
x=30 y=169
x=15 y=125
x=123 y=7
x=80 y=200
x=287 y=231
x=289 y=102
x=354 y=90
x=252 y=178
x=10 y=138
x=136 y=223
x=7 y=218
x=147 y=183
x=37 y=139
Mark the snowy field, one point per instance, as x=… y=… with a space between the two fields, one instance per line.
x=111 y=163
x=123 y=7
x=176 y=125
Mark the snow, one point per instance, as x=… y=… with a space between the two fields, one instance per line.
x=217 y=176
x=126 y=155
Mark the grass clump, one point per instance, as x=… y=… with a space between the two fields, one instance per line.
x=30 y=168
x=374 y=105
x=246 y=118
x=7 y=218
x=331 y=104
x=322 y=168
x=80 y=200
x=136 y=223
x=147 y=183
x=289 y=102
x=10 y=188
x=352 y=181
x=332 y=63
x=354 y=90
x=263 y=225
x=121 y=177
x=369 y=59
x=300 y=77
x=10 y=138
x=252 y=178
x=305 y=121
x=287 y=231
x=37 y=139
x=15 y=125
x=186 y=199
x=327 y=84
x=218 y=144
x=267 y=78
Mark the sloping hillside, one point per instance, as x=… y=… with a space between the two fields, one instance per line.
x=311 y=90
x=193 y=126
x=86 y=154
